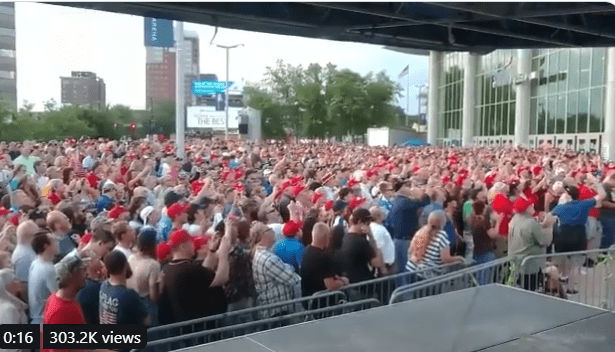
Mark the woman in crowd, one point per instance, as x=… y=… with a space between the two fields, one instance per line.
x=430 y=248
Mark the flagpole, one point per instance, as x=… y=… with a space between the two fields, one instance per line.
x=408 y=100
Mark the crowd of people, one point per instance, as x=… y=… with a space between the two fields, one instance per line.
x=95 y=231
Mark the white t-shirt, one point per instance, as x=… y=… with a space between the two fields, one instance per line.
x=384 y=242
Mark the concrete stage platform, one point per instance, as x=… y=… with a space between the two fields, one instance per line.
x=491 y=318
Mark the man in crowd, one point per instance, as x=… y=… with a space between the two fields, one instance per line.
x=62 y=306
x=189 y=290
x=24 y=255
x=60 y=225
x=317 y=268
x=359 y=250
x=125 y=236
x=383 y=238
x=118 y=304
x=42 y=279
x=403 y=220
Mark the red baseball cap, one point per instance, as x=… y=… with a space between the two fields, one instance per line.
x=291 y=228
x=521 y=204
x=200 y=242
x=163 y=250
x=356 y=202
x=116 y=211
x=177 y=209
x=178 y=237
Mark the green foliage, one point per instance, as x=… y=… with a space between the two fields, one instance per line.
x=322 y=101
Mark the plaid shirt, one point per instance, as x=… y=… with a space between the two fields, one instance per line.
x=274 y=281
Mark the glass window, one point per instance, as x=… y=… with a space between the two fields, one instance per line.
x=533 y=112
x=487 y=122
x=573 y=69
x=551 y=111
x=505 y=114
x=561 y=114
x=597 y=66
x=582 y=116
x=595 y=108
x=571 y=114
x=552 y=73
x=541 y=115
x=585 y=64
x=511 y=120
x=563 y=70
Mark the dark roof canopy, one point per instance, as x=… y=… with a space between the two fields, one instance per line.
x=446 y=26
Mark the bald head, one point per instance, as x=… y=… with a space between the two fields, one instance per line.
x=26 y=231
x=377 y=214
x=320 y=233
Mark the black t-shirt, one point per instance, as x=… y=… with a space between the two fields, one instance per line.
x=89 y=298
x=120 y=305
x=315 y=268
x=355 y=255
x=186 y=293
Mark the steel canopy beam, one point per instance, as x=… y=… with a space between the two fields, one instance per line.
x=471 y=28
x=578 y=29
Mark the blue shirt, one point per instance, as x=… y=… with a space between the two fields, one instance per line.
x=403 y=220
x=385 y=204
x=449 y=228
x=103 y=203
x=163 y=228
x=290 y=250
x=119 y=305
x=574 y=213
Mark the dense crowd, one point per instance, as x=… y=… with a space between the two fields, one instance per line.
x=123 y=232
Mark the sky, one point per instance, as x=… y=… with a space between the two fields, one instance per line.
x=54 y=40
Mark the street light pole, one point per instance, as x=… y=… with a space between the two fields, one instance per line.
x=226 y=94
x=180 y=122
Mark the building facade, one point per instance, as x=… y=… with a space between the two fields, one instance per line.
x=524 y=97
x=83 y=88
x=8 y=61
x=160 y=71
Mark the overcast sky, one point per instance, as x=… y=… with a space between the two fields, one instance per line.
x=54 y=40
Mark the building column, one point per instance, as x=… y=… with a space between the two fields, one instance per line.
x=608 y=137
x=522 y=104
x=433 y=101
x=469 y=100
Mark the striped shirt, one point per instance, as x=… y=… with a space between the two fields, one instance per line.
x=274 y=281
x=432 y=257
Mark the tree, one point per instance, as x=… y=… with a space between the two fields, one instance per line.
x=164 y=117
x=322 y=101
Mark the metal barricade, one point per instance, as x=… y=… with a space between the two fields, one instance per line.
x=230 y=319
x=207 y=336
x=583 y=276
x=497 y=271
x=381 y=288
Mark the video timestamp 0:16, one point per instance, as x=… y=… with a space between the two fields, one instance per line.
x=27 y=336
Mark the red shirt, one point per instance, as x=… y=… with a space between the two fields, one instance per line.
x=92 y=180
x=588 y=193
x=503 y=206
x=60 y=311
